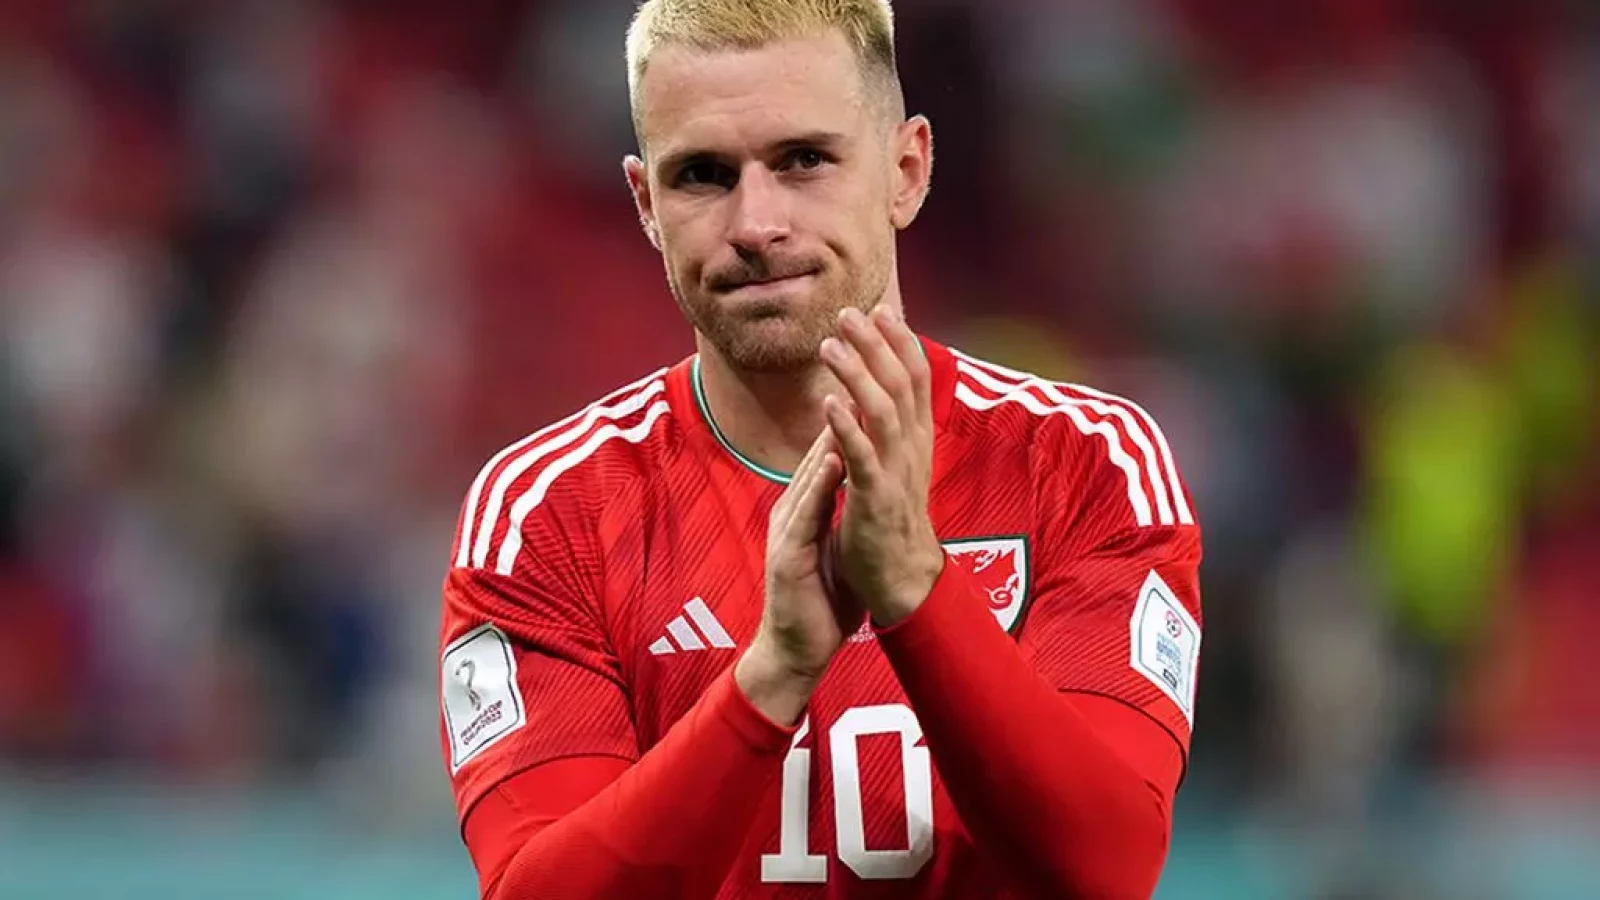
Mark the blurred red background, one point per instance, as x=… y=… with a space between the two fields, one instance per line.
x=275 y=278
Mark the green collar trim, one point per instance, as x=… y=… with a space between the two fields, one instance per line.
x=705 y=412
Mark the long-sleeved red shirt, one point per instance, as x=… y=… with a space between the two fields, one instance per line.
x=1020 y=735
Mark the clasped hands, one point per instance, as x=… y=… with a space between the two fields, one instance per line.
x=883 y=557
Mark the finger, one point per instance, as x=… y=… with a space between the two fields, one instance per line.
x=814 y=503
x=808 y=463
x=909 y=350
x=881 y=358
x=877 y=408
x=860 y=456
x=783 y=510
x=799 y=482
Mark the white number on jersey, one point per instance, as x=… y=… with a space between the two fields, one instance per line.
x=794 y=863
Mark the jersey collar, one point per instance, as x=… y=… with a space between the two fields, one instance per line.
x=941 y=363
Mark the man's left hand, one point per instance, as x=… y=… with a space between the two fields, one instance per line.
x=888 y=552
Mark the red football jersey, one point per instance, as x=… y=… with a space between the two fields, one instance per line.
x=608 y=568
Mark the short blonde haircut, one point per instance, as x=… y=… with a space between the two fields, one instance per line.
x=742 y=24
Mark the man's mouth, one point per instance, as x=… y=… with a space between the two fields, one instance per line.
x=775 y=279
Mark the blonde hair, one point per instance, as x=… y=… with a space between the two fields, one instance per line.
x=741 y=24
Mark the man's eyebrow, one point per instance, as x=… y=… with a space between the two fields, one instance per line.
x=678 y=159
x=811 y=139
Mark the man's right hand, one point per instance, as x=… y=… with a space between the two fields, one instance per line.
x=801 y=627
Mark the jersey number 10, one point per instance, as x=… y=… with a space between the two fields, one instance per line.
x=794 y=863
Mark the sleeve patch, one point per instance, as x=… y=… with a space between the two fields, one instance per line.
x=482 y=704
x=1166 y=643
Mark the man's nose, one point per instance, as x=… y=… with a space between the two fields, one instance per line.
x=760 y=212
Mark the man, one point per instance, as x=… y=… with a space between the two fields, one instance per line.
x=953 y=654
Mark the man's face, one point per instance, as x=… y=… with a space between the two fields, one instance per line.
x=773 y=183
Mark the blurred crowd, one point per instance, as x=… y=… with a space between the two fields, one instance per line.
x=277 y=275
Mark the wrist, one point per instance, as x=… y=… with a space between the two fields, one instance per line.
x=778 y=690
x=912 y=590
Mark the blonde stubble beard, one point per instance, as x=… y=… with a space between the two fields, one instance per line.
x=743 y=350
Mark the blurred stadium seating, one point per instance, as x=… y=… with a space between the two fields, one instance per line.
x=276 y=275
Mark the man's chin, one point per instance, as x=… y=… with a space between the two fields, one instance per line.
x=769 y=346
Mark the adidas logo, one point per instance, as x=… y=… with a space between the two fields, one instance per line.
x=682 y=636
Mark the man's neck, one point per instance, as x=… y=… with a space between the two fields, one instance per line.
x=772 y=418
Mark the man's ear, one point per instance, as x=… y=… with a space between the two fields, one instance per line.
x=913 y=143
x=639 y=185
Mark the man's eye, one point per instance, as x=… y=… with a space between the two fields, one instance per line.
x=806 y=158
x=704 y=174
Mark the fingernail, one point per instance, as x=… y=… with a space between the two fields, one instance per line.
x=832 y=350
